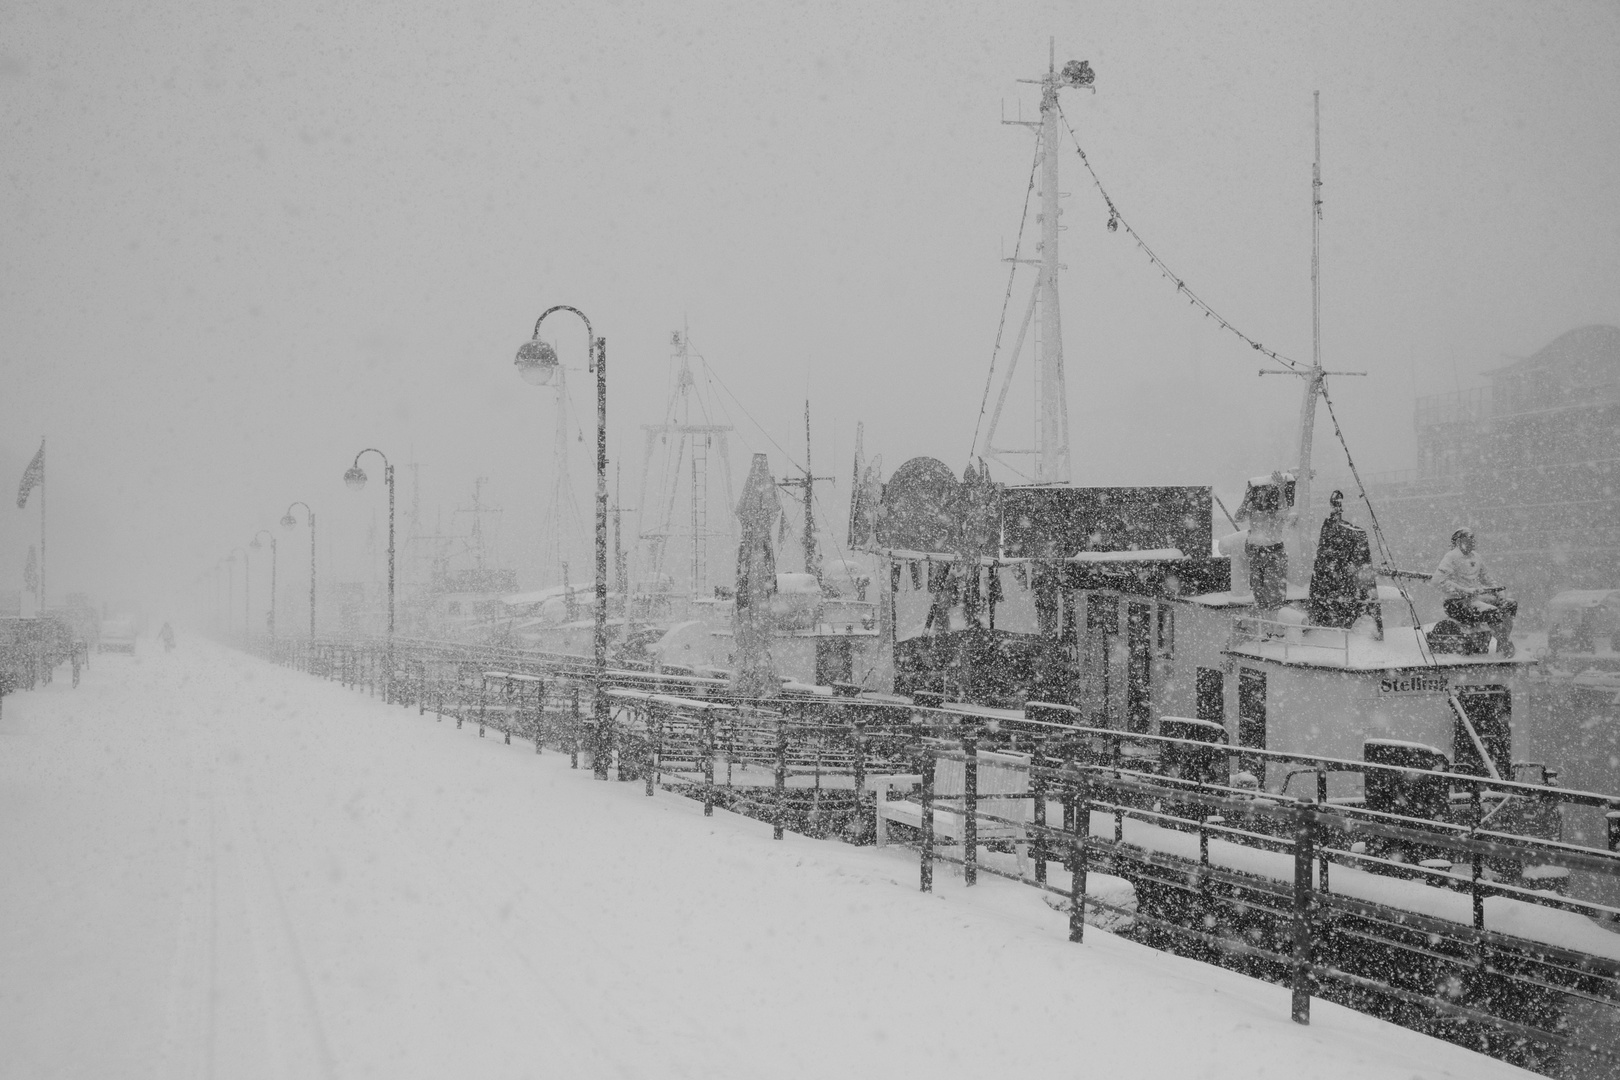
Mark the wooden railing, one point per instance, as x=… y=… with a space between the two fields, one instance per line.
x=1431 y=923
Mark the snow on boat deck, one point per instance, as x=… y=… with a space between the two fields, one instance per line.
x=218 y=867
x=1399 y=649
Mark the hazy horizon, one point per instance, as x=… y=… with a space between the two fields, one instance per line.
x=245 y=244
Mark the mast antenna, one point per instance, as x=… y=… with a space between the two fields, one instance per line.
x=1051 y=450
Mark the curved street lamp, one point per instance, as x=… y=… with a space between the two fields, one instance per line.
x=537 y=363
x=355 y=477
x=287 y=522
x=254 y=544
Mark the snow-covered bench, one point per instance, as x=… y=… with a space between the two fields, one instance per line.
x=998 y=775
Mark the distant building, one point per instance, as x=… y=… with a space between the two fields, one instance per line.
x=1532 y=461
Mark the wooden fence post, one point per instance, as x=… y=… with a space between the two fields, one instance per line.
x=970 y=809
x=707 y=732
x=573 y=729
x=1079 y=797
x=1037 y=787
x=858 y=753
x=781 y=776
x=539 y=715
x=655 y=747
x=1477 y=863
x=1304 y=865
x=927 y=870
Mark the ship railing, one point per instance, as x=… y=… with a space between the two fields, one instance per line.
x=1296 y=640
x=1316 y=882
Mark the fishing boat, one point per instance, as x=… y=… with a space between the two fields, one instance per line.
x=1123 y=609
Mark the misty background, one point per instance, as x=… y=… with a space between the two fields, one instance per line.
x=243 y=243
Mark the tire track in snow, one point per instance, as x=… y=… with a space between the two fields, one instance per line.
x=293 y=1016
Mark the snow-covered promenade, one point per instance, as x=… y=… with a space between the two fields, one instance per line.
x=212 y=867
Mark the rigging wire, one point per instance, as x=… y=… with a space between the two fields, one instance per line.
x=709 y=371
x=1001 y=326
x=1377 y=530
x=1116 y=220
x=819 y=510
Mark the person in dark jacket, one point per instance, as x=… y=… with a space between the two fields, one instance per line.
x=1341 y=578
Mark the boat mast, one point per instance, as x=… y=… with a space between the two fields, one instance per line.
x=1313 y=377
x=1051 y=449
x=1052 y=409
x=812 y=557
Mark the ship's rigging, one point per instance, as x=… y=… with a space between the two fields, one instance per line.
x=680 y=457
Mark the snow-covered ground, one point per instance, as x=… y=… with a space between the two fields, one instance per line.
x=212 y=867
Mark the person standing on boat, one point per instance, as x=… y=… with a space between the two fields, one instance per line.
x=1471 y=597
x=1342 y=576
x=1269 y=511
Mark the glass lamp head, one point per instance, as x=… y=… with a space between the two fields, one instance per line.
x=355 y=477
x=254 y=544
x=537 y=362
x=288 y=521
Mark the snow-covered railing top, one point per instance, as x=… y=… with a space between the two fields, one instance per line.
x=1150 y=555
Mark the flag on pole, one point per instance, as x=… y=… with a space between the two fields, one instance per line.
x=34 y=474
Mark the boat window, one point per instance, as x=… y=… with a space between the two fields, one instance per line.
x=1251 y=708
x=833 y=660
x=1139 y=667
x=1211 y=695
x=1490 y=708
x=1102 y=613
x=1167 y=630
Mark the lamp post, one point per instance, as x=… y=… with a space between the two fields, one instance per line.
x=355 y=477
x=537 y=363
x=254 y=544
x=287 y=522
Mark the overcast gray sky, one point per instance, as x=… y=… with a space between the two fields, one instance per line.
x=242 y=242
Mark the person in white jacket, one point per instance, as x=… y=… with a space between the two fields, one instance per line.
x=1471 y=597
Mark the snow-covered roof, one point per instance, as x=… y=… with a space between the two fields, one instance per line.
x=1145 y=555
